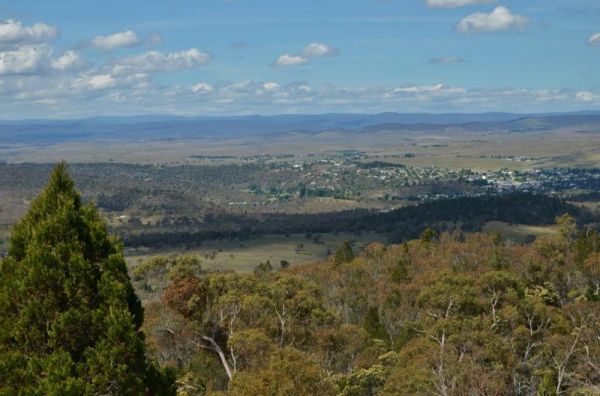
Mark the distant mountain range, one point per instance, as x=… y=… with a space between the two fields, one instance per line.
x=173 y=127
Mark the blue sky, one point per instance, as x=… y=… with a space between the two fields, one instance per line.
x=74 y=58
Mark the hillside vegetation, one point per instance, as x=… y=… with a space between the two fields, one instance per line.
x=455 y=314
x=443 y=314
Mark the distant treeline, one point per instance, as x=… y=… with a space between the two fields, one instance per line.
x=590 y=196
x=467 y=214
x=379 y=164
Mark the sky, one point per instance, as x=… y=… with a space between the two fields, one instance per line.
x=73 y=58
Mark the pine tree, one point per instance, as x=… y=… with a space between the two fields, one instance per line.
x=344 y=254
x=69 y=317
x=373 y=324
x=428 y=236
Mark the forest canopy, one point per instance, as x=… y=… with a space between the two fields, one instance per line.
x=449 y=314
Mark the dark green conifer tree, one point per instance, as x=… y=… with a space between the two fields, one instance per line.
x=373 y=324
x=69 y=317
x=428 y=236
x=344 y=254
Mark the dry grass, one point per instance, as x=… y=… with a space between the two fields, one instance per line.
x=559 y=148
x=245 y=256
x=518 y=232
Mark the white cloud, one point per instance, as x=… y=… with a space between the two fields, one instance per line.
x=317 y=50
x=93 y=93
x=24 y=50
x=423 y=91
x=594 y=40
x=291 y=60
x=158 y=62
x=202 y=87
x=258 y=97
x=446 y=60
x=93 y=82
x=270 y=86
x=311 y=51
x=26 y=59
x=101 y=81
x=68 y=60
x=455 y=3
x=124 y=39
x=587 y=96
x=14 y=33
x=498 y=20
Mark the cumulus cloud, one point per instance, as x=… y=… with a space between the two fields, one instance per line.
x=24 y=50
x=14 y=33
x=202 y=87
x=498 y=20
x=252 y=96
x=26 y=59
x=446 y=60
x=31 y=75
x=311 y=51
x=67 y=61
x=436 y=89
x=291 y=60
x=587 y=96
x=158 y=62
x=455 y=3
x=93 y=82
x=317 y=50
x=270 y=86
x=255 y=96
x=594 y=40
x=93 y=92
x=101 y=81
x=126 y=39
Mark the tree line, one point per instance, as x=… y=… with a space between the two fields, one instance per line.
x=465 y=213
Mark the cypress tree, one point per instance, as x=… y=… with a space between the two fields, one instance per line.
x=373 y=324
x=344 y=254
x=69 y=317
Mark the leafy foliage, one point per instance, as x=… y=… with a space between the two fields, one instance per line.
x=70 y=317
x=454 y=314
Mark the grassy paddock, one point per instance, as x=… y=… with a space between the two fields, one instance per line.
x=518 y=232
x=244 y=256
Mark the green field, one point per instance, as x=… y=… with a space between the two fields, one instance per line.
x=518 y=232
x=245 y=256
